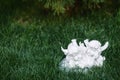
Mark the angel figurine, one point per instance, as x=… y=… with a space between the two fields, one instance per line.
x=84 y=55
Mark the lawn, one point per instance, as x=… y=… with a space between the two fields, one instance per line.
x=31 y=51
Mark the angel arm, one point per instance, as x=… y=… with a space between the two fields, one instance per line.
x=65 y=51
x=105 y=46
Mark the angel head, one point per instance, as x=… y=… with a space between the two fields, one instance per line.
x=95 y=45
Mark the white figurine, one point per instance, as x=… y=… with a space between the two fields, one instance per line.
x=84 y=55
x=94 y=47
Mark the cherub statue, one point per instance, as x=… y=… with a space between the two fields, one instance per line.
x=84 y=55
x=94 y=49
x=70 y=52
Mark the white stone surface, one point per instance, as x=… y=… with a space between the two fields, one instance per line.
x=84 y=55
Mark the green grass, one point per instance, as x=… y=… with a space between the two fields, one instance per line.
x=32 y=51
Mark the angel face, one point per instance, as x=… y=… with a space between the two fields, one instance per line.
x=94 y=44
